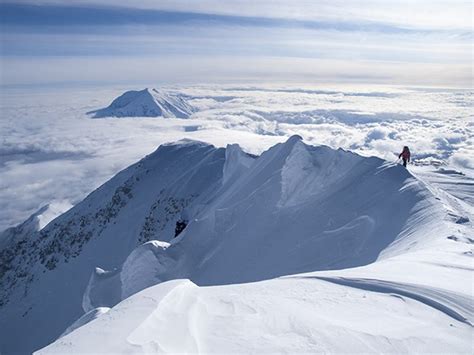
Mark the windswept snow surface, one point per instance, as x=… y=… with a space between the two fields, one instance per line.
x=311 y=215
x=278 y=316
x=86 y=318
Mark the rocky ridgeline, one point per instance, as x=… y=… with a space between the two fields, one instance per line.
x=61 y=242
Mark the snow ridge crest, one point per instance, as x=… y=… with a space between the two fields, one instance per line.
x=296 y=208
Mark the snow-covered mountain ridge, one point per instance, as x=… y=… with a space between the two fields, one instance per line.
x=47 y=271
x=294 y=209
x=147 y=103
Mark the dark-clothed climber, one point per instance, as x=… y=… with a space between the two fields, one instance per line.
x=405 y=155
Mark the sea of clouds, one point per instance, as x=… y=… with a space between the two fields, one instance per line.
x=51 y=151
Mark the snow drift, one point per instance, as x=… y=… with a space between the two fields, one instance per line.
x=147 y=103
x=294 y=209
x=286 y=315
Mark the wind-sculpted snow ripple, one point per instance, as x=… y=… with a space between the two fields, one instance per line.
x=454 y=305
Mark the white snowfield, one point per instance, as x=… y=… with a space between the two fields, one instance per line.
x=147 y=103
x=302 y=249
x=291 y=315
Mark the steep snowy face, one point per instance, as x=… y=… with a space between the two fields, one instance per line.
x=301 y=208
x=310 y=172
x=147 y=103
x=296 y=208
x=237 y=162
x=44 y=273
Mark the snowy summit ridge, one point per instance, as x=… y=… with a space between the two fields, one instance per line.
x=147 y=103
x=332 y=214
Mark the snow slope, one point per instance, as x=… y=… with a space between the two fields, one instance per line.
x=355 y=241
x=147 y=103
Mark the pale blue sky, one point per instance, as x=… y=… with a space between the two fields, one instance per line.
x=390 y=42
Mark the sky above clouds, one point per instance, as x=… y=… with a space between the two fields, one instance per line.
x=91 y=41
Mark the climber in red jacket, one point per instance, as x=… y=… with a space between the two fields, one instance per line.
x=405 y=155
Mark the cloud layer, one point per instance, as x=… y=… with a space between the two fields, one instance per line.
x=50 y=150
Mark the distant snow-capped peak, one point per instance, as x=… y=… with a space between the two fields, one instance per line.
x=147 y=103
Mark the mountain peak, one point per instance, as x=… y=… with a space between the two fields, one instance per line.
x=186 y=142
x=148 y=102
x=294 y=138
